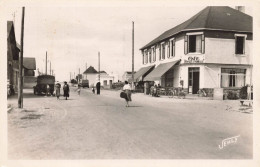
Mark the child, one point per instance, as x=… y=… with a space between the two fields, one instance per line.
x=93 y=90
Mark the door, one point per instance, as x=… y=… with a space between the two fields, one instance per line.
x=194 y=78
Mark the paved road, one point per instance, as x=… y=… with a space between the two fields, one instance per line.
x=101 y=127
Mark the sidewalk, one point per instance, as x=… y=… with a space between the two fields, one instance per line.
x=227 y=105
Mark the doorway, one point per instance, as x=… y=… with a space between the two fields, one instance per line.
x=194 y=80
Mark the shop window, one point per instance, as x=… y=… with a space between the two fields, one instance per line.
x=169 y=78
x=240 y=44
x=233 y=77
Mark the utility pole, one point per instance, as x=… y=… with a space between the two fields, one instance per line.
x=78 y=76
x=133 y=57
x=50 y=67
x=46 y=64
x=98 y=66
x=52 y=72
x=20 y=86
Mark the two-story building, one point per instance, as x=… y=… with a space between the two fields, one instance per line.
x=212 y=49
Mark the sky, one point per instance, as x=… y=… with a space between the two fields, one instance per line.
x=73 y=35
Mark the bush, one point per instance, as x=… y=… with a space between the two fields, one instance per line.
x=243 y=93
x=232 y=95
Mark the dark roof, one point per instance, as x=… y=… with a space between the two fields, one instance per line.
x=90 y=70
x=212 y=18
x=29 y=63
x=130 y=72
x=9 y=27
x=103 y=72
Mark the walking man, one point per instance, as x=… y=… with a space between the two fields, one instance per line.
x=66 y=90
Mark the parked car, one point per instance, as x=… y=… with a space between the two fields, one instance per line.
x=42 y=82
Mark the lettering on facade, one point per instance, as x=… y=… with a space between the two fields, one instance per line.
x=193 y=59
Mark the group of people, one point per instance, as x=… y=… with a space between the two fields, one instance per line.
x=154 y=90
x=66 y=90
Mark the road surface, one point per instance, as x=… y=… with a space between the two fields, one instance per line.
x=101 y=127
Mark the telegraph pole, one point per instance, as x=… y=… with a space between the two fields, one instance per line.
x=50 y=67
x=20 y=86
x=133 y=56
x=46 y=64
x=98 y=66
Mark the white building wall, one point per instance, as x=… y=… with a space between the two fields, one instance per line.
x=212 y=76
x=223 y=51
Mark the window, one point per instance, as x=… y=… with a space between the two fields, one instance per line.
x=233 y=77
x=146 y=57
x=172 y=48
x=150 y=56
x=154 y=53
x=168 y=49
x=194 y=43
x=160 y=54
x=240 y=44
x=143 y=58
x=163 y=51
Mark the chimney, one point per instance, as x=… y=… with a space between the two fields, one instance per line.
x=240 y=8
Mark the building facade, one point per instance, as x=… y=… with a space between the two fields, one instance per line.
x=213 y=49
x=12 y=56
x=127 y=76
x=92 y=76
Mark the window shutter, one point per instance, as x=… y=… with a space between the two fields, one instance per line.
x=235 y=45
x=202 y=44
x=185 y=44
x=173 y=54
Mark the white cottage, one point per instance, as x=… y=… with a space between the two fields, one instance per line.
x=213 y=49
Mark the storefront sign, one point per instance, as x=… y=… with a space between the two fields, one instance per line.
x=193 y=59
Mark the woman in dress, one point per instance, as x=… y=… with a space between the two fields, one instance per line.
x=57 y=90
x=127 y=90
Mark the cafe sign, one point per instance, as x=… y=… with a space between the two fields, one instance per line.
x=193 y=59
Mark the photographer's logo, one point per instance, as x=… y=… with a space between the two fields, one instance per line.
x=228 y=141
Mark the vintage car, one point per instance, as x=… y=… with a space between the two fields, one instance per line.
x=42 y=82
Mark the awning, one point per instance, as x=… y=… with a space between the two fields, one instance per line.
x=141 y=72
x=159 y=71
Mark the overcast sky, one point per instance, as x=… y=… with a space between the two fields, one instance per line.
x=73 y=35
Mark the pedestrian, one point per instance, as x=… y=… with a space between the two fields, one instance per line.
x=66 y=90
x=57 y=90
x=79 y=89
x=98 y=88
x=127 y=90
x=93 y=90
x=47 y=90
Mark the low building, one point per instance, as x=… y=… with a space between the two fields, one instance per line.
x=127 y=76
x=212 y=49
x=29 y=65
x=92 y=75
x=12 y=56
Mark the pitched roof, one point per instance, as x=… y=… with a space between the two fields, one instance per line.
x=212 y=18
x=9 y=27
x=29 y=63
x=90 y=70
